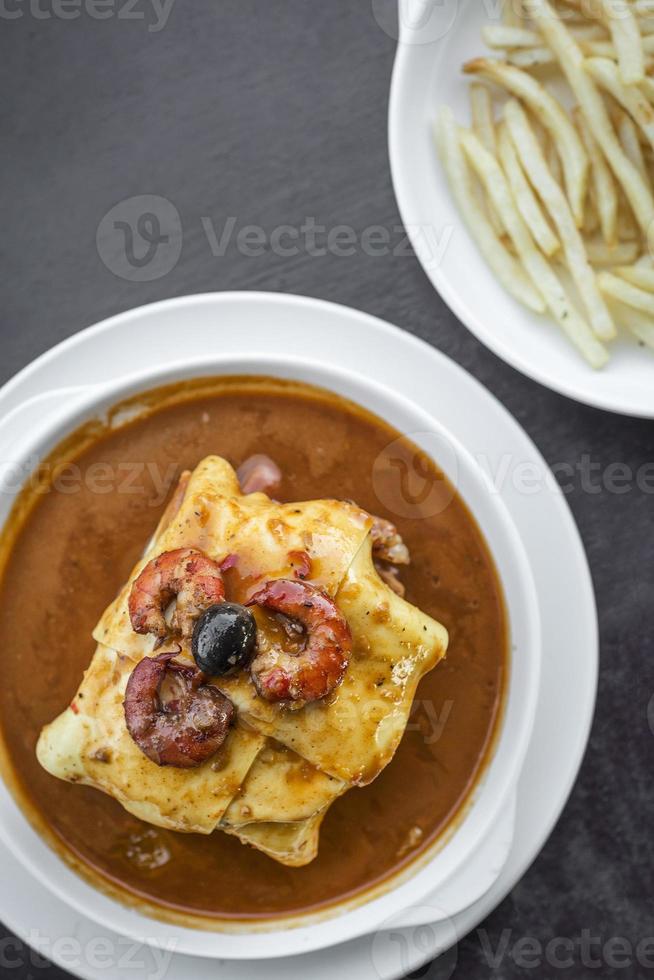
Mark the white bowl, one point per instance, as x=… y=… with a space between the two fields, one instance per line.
x=427 y=74
x=29 y=431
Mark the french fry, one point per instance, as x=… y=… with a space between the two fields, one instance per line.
x=483 y=124
x=618 y=288
x=599 y=253
x=590 y=32
x=630 y=143
x=606 y=199
x=598 y=49
x=552 y=196
x=573 y=155
x=628 y=43
x=630 y=97
x=530 y=57
x=620 y=19
x=525 y=198
x=508 y=271
x=554 y=163
x=637 y=275
x=571 y=59
x=502 y=36
x=637 y=322
x=645 y=262
x=537 y=268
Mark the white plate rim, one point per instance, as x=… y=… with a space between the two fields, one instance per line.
x=419 y=350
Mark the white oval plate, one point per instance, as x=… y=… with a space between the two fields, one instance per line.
x=276 y=324
x=426 y=75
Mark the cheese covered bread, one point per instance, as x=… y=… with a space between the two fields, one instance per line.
x=254 y=668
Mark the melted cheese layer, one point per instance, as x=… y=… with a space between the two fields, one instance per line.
x=281 y=767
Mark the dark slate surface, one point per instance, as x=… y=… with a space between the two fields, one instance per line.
x=275 y=112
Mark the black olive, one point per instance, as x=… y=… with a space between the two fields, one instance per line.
x=224 y=638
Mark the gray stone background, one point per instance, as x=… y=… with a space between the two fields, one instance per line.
x=274 y=111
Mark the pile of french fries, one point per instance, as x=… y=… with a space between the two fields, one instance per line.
x=558 y=192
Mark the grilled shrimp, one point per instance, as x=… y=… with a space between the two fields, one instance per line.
x=388 y=551
x=320 y=665
x=175 y=718
x=188 y=574
x=387 y=543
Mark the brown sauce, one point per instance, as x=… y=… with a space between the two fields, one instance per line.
x=71 y=544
